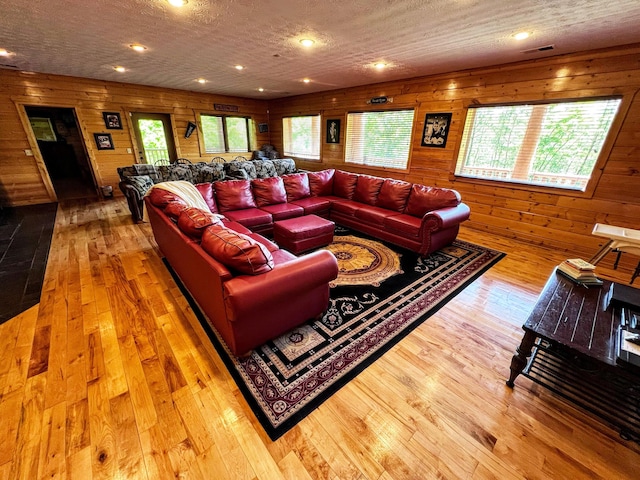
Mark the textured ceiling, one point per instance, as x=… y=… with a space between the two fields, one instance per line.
x=86 y=38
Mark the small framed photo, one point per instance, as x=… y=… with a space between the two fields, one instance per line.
x=112 y=120
x=333 y=130
x=263 y=127
x=436 y=130
x=103 y=141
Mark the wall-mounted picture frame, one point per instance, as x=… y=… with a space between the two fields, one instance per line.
x=103 y=141
x=436 y=129
x=333 y=130
x=263 y=127
x=112 y=120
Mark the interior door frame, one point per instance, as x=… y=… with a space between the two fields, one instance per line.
x=169 y=131
x=21 y=104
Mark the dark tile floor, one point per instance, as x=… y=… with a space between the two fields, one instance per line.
x=25 y=237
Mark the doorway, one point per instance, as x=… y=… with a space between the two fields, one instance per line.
x=63 y=151
x=154 y=136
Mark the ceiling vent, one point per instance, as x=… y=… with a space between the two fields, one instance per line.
x=538 y=49
x=6 y=65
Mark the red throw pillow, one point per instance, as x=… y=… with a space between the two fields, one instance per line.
x=367 y=189
x=393 y=195
x=161 y=197
x=193 y=221
x=344 y=184
x=268 y=191
x=206 y=190
x=296 y=185
x=321 y=183
x=427 y=199
x=236 y=250
x=174 y=209
x=234 y=195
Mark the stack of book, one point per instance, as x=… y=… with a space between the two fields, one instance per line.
x=580 y=271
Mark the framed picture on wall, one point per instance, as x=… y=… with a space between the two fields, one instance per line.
x=263 y=127
x=103 y=141
x=112 y=120
x=333 y=130
x=436 y=130
x=43 y=129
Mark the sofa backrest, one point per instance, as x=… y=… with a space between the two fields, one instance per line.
x=367 y=189
x=423 y=199
x=234 y=195
x=268 y=191
x=394 y=194
x=344 y=184
x=321 y=183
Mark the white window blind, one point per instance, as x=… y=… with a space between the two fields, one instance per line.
x=552 y=144
x=212 y=133
x=379 y=139
x=301 y=136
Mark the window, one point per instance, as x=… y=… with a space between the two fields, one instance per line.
x=301 y=136
x=379 y=139
x=225 y=134
x=552 y=144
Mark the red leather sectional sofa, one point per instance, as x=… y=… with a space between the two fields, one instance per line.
x=250 y=307
x=412 y=216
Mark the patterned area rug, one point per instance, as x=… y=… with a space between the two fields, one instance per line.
x=287 y=378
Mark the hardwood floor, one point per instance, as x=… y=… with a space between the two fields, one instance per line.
x=107 y=378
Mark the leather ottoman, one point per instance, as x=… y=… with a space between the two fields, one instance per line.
x=304 y=233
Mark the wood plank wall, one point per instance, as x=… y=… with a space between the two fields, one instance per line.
x=24 y=180
x=546 y=217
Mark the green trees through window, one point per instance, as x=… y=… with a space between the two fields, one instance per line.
x=554 y=144
x=225 y=134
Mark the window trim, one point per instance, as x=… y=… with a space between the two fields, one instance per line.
x=626 y=97
x=250 y=133
x=319 y=140
x=412 y=147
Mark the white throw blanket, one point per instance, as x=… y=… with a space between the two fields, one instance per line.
x=186 y=191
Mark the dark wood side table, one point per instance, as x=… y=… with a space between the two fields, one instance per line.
x=570 y=347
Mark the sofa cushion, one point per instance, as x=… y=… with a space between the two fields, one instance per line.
x=345 y=207
x=142 y=183
x=206 y=190
x=344 y=184
x=374 y=215
x=297 y=186
x=268 y=191
x=250 y=217
x=403 y=224
x=427 y=199
x=174 y=209
x=176 y=171
x=265 y=168
x=240 y=170
x=282 y=211
x=193 y=221
x=234 y=195
x=321 y=183
x=394 y=194
x=233 y=225
x=160 y=197
x=313 y=205
x=284 y=165
x=207 y=172
x=237 y=251
x=367 y=189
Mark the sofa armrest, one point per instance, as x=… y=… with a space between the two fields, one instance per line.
x=245 y=294
x=446 y=217
x=134 y=200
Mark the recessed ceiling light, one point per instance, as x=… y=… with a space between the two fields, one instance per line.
x=137 y=47
x=178 y=3
x=201 y=80
x=379 y=65
x=239 y=67
x=307 y=42
x=261 y=89
x=119 y=69
x=306 y=80
x=3 y=53
x=521 y=35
